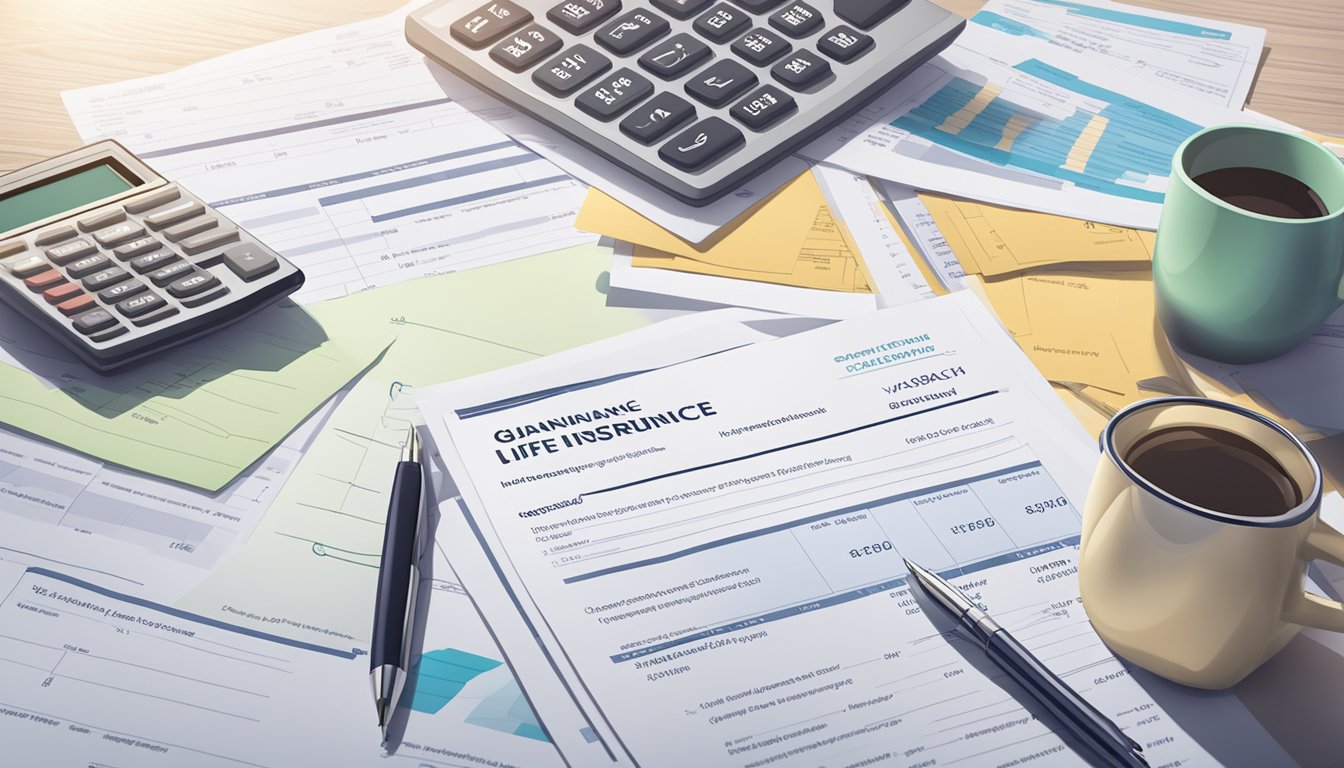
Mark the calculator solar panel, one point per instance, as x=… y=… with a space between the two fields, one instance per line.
x=694 y=96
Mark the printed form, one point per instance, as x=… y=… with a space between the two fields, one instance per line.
x=709 y=555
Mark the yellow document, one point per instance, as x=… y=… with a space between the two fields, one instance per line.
x=789 y=239
x=995 y=241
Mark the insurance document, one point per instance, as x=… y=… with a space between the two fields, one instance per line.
x=709 y=555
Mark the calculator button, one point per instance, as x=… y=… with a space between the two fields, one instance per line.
x=87 y=265
x=154 y=200
x=55 y=235
x=675 y=56
x=761 y=46
x=198 y=282
x=721 y=22
x=207 y=240
x=865 y=14
x=27 y=266
x=100 y=220
x=173 y=214
x=118 y=233
x=61 y=293
x=758 y=6
x=569 y=70
x=249 y=262
x=632 y=31
x=92 y=322
x=721 y=82
x=700 y=145
x=681 y=9
x=76 y=305
x=12 y=247
x=188 y=228
x=526 y=47
x=844 y=44
x=762 y=109
x=123 y=290
x=797 y=20
x=135 y=248
x=615 y=94
x=105 y=277
x=140 y=305
x=489 y=23
x=44 y=280
x=658 y=117
x=801 y=70
x=578 y=15
x=166 y=275
x=67 y=252
x=152 y=261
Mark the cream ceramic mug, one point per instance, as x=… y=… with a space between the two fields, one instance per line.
x=1198 y=595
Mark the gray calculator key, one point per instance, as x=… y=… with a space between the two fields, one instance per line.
x=764 y=107
x=249 y=262
x=614 y=94
x=681 y=9
x=12 y=247
x=153 y=261
x=140 y=305
x=797 y=20
x=188 y=228
x=865 y=14
x=68 y=252
x=207 y=240
x=135 y=248
x=488 y=23
x=675 y=56
x=173 y=214
x=154 y=200
x=575 y=16
x=192 y=284
x=526 y=47
x=118 y=233
x=105 y=277
x=844 y=44
x=54 y=235
x=87 y=265
x=570 y=70
x=801 y=70
x=701 y=145
x=122 y=290
x=761 y=46
x=100 y=220
x=168 y=274
x=632 y=31
x=721 y=22
x=27 y=266
x=93 y=321
x=720 y=82
x=657 y=117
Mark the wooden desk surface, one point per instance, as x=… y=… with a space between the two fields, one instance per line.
x=55 y=45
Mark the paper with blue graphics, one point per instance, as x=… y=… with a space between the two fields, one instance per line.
x=1016 y=121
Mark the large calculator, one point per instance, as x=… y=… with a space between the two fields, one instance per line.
x=117 y=263
x=693 y=96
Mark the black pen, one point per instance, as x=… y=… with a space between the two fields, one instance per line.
x=398 y=576
x=1082 y=719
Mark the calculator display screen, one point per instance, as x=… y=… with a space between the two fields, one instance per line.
x=63 y=193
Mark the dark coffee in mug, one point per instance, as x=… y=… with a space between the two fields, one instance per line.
x=1260 y=190
x=1214 y=469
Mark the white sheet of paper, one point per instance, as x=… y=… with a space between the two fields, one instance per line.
x=924 y=233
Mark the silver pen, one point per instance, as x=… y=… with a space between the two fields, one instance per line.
x=1082 y=719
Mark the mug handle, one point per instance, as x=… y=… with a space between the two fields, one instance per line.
x=1323 y=543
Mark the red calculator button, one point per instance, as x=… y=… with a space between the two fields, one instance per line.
x=76 y=305
x=44 y=280
x=61 y=293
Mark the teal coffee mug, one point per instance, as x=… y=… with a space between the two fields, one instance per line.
x=1250 y=246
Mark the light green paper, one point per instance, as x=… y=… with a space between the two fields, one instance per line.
x=198 y=414
x=323 y=534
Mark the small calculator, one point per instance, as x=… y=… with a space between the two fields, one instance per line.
x=117 y=263
x=694 y=96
